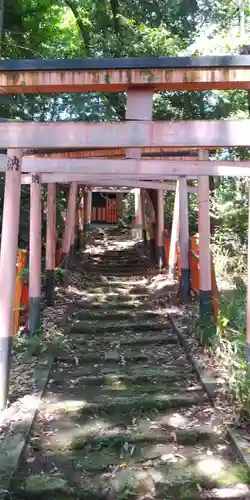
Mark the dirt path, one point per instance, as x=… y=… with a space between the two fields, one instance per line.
x=124 y=416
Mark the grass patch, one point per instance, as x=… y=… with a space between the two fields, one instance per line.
x=50 y=342
x=229 y=348
x=228 y=343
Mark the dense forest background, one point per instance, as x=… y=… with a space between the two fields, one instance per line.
x=117 y=28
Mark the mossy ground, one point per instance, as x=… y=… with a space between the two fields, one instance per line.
x=125 y=417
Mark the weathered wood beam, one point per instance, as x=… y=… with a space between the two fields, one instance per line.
x=178 y=153
x=117 y=75
x=130 y=134
x=106 y=181
x=137 y=169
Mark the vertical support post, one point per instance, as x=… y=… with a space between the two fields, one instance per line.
x=50 y=243
x=160 y=229
x=139 y=107
x=77 y=219
x=73 y=236
x=85 y=196
x=81 y=218
x=35 y=254
x=248 y=283
x=9 y=243
x=174 y=234
x=143 y=217
x=184 y=240
x=69 y=223
x=204 y=243
x=152 y=227
x=89 y=208
x=138 y=214
x=120 y=205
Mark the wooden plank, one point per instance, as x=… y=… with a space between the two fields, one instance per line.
x=148 y=62
x=136 y=169
x=134 y=134
x=113 y=75
x=49 y=178
x=187 y=153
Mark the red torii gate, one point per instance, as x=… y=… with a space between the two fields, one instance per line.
x=140 y=78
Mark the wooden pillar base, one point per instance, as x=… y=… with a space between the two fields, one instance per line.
x=5 y=356
x=206 y=302
x=82 y=239
x=160 y=256
x=77 y=241
x=144 y=235
x=65 y=260
x=207 y=324
x=248 y=353
x=34 y=314
x=185 y=284
x=138 y=232
x=49 y=287
x=71 y=256
x=171 y=271
x=152 y=249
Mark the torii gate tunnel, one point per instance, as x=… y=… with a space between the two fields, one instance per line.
x=137 y=152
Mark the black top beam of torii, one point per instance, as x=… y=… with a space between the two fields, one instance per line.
x=227 y=61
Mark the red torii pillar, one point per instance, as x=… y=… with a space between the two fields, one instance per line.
x=184 y=240
x=139 y=107
x=35 y=254
x=138 y=212
x=152 y=227
x=143 y=216
x=50 y=243
x=89 y=208
x=205 y=279
x=82 y=209
x=9 y=244
x=174 y=234
x=160 y=229
x=73 y=237
x=70 y=218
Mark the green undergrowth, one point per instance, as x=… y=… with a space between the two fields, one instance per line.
x=42 y=343
x=228 y=347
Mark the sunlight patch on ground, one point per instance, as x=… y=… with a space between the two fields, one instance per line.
x=68 y=406
x=177 y=420
x=231 y=491
x=210 y=467
x=65 y=439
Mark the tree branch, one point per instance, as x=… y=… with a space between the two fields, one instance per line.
x=115 y=11
x=80 y=24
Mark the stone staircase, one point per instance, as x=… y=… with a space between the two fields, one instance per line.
x=124 y=416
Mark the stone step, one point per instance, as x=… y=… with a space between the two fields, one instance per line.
x=128 y=304
x=141 y=484
x=117 y=387
x=118 y=272
x=70 y=405
x=111 y=314
x=105 y=289
x=156 y=442
x=138 y=374
x=110 y=327
x=137 y=340
x=116 y=297
x=123 y=359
